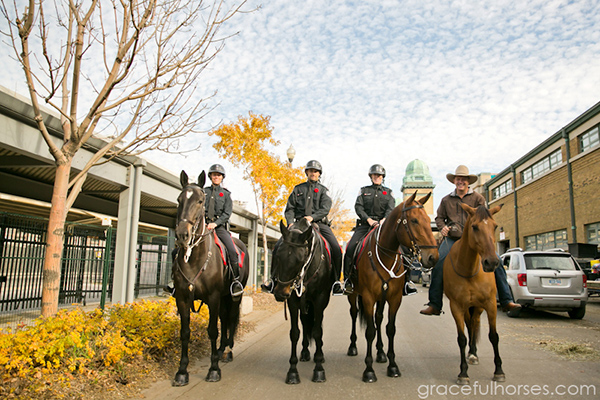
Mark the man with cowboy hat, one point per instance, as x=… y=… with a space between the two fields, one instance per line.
x=450 y=221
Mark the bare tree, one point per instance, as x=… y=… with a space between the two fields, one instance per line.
x=126 y=71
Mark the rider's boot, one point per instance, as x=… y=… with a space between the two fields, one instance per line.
x=268 y=286
x=236 y=289
x=409 y=289
x=348 y=286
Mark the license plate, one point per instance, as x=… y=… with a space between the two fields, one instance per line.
x=554 y=282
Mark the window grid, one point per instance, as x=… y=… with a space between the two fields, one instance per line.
x=593 y=233
x=589 y=139
x=544 y=165
x=502 y=189
x=548 y=240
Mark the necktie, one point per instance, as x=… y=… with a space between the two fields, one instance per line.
x=211 y=206
x=309 y=200
x=376 y=207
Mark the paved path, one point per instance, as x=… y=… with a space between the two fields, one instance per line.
x=427 y=354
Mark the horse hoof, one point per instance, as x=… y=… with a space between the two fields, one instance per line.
x=181 y=379
x=319 y=376
x=227 y=357
x=293 y=378
x=393 y=372
x=473 y=359
x=381 y=358
x=462 y=380
x=352 y=351
x=213 y=376
x=369 y=377
x=499 y=378
x=305 y=356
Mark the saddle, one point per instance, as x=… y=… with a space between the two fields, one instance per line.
x=224 y=254
x=358 y=250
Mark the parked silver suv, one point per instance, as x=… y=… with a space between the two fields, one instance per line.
x=550 y=280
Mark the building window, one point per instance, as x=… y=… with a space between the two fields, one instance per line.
x=544 y=165
x=592 y=232
x=548 y=240
x=501 y=189
x=589 y=139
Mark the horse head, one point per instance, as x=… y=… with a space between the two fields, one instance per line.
x=416 y=233
x=292 y=257
x=190 y=209
x=479 y=234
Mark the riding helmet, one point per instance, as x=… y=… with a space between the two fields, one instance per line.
x=313 y=164
x=377 y=169
x=217 y=168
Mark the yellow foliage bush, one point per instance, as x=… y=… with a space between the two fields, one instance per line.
x=77 y=343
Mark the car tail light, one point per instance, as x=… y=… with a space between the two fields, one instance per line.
x=522 y=279
x=584 y=280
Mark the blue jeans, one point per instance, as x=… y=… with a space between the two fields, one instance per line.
x=436 y=286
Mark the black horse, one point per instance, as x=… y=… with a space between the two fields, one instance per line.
x=303 y=276
x=199 y=272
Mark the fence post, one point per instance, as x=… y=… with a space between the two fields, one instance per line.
x=106 y=270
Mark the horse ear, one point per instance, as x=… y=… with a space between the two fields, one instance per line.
x=183 y=178
x=494 y=210
x=470 y=210
x=284 y=230
x=201 y=179
x=411 y=198
x=424 y=199
x=306 y=234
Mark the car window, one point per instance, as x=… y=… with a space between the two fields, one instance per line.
x=557 y=262
x=514 y=262
x=506 y=262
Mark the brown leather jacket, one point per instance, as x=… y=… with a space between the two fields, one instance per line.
x=450 y=212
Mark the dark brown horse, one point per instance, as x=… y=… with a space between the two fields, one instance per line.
x=381 y=275
x=303 y=276
x=200 y=273
x=470 y=285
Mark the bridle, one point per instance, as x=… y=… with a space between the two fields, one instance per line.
x=414 y=246
x=299 y=281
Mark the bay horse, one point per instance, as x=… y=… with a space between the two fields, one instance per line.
x=199 y=272
x=381 y=274
x=470 y=285
x=303 y=275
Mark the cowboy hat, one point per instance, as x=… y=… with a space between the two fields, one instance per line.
x=462 y=170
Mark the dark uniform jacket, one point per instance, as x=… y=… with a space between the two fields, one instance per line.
x=223 y=204
x=296 y=204
x=375 y=202
x=450 y=212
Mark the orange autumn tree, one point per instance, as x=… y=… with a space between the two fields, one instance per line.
x=243 y=144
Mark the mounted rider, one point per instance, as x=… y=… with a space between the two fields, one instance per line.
x=217 y=212
x=310 y=200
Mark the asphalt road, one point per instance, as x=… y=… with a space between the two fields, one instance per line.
x=427 y=354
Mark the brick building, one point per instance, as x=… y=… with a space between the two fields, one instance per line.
x=551 y=195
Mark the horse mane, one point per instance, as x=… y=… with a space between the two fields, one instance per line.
x=483 y=212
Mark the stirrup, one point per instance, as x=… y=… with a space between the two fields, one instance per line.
x=337 y=289
x=409 y=289
x=268 y=286
x=236 y=289
x=348 y=287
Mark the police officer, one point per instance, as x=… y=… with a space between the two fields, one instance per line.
x=218 y=210
x=310 y=200
x=373 y=204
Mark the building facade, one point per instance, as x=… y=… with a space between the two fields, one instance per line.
x=551 y=195
x=417 y=178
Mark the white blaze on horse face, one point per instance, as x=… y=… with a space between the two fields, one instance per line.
x=485 y=221
x=189 y=193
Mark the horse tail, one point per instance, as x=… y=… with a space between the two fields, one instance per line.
x=361 y=312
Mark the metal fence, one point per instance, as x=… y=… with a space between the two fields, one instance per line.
x=87 y=266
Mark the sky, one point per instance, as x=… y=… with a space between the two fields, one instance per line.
x=354 y=83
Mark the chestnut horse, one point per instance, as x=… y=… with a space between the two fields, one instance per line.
x=303 y=275
x=200 y=273
x=382 y=273
x=470 y=285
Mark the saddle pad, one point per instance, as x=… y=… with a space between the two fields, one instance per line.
x=326 y=243
x=223 y=251
x=363 y=245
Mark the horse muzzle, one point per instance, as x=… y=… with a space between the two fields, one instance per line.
x=429 y=258
x=490 y=264
x=282 y=292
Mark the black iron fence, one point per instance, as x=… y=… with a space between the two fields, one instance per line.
x=87 y=266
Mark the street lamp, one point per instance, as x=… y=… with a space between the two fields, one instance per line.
x=291 y=153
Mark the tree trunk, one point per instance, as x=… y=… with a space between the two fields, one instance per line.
x=267 y=274
x=55 y=241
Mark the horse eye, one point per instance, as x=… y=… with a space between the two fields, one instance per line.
x=475 y=228
x=414 y=221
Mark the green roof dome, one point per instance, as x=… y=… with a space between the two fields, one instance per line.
x=417 y=174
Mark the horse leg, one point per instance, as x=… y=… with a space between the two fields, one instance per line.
x=307 y=320
x=392 y=370
x=352 y=350
x=381 y=358
x=495 y=339
x=182 y=376
x=473 y=323
x=292 y=375
x=367 y=310
x=317 y=332
x=214 y=372
x=229 y=321
x=459 y=319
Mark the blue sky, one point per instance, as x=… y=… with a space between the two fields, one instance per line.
x=353 y=83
